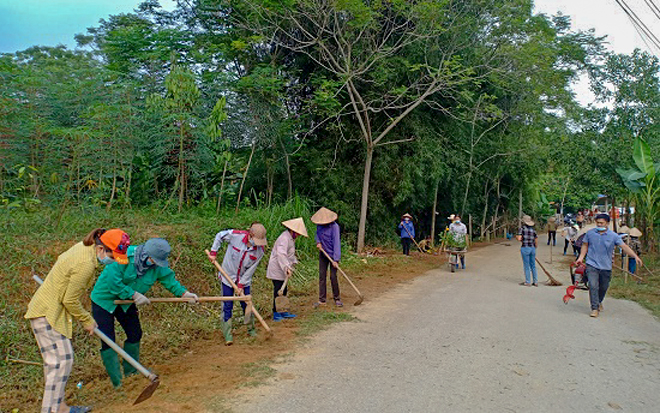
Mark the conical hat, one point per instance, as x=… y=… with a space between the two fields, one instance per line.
x=527 y=220
x=634 y=232
x=406 y=215
x=324 y=216
x=296 y=225
x=624 y=230
x=552 y=219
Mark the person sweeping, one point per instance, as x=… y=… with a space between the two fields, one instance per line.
x=327 y=239
x=244 y=252
x=407 y=230
x=57 y=302
x=282 y=260
x=146 y=264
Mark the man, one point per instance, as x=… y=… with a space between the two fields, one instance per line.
x=597 y=247
x=458 y=231
x=529 y=242
x=245 y=250
x=552 y=230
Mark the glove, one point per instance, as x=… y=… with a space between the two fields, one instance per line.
x=188 y=294
x=212 y=255
x=140 y=299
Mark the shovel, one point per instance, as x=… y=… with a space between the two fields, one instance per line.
x=360 y=296
x=282 y=301
x=413 y=239
x=155 y=381
x=249 y=310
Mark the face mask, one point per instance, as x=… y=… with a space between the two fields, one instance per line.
x=458 y=221
x=601 y=229
x=407 y=220
x=105 y=261
x=149 y=262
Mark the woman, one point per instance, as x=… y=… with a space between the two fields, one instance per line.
x=145 y=265
x=570 y=235
x=327 y=239
x=282 y=260
x=57 y=301
x=245 y=251
x=407 y=232
x=529 y=242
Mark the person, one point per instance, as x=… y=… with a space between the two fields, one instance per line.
x=529 y=242
x=458 y=231
x=283 y=259
x=570 y=232
x=407 y=232
x=597 y=248
x=552 y=231
x=580 y=218
x=426 y=244
x=635 y=244
x=57 y=302
x=327 y=239
x=146 y=265
x=244 y=252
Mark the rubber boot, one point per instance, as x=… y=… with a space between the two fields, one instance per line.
x=252 y=331
x=111 y=363
x=133 y=350
x=226 y=331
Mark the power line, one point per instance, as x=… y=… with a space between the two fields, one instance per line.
x=645 y=33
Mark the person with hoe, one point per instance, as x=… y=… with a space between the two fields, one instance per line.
x=529 y=242
x=57 y=302
x=327 y=240
x=636 y=245
x=407 y=232
x=597 y=248
x=282 y=260
x=458 y=231
x=146 y=264
x=244 y=252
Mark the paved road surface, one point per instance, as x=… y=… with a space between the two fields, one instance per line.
x=474 y=341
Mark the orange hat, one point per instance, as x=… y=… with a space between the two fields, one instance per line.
x=118 y=241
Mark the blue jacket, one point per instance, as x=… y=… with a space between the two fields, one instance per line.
x=410 y=227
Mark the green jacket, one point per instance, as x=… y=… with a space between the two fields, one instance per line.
x=120 y=282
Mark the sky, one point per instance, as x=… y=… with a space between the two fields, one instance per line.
x=25 y=23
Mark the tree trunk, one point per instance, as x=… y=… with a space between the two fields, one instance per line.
x=520 y=214
x=182 y=185
x=563 y=198
x=289 y=192
x=247 y=168
x=112 y=193
x=614 y=211
x=435 y=205
x=483 y=218
x=365 y=198
x=222 y=186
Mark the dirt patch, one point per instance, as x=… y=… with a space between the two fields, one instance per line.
x=209 y=371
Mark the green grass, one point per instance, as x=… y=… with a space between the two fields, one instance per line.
x=258 y=372
x=646 y=293
x=320 y=320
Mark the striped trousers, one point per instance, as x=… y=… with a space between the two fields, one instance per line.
x=57 y=353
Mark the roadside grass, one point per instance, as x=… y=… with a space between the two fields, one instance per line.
x=34 y=240
x=646 y=293
x=258 y=372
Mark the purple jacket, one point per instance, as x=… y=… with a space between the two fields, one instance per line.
x=328 y=236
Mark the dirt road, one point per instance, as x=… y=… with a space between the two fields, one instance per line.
x=474 y=341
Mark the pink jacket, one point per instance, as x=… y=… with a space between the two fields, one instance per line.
x=282 y=257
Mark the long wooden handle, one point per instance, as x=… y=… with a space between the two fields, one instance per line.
x=236 y=289
x=189 y=300
x=413 y=239
x=546 y=271
x=281 y=291
x=151 y=376
x=342 y=272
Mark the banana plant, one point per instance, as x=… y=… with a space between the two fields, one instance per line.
x=644 y=183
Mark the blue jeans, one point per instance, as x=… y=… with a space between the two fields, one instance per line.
x=228 y=306
x=632 y=265
x=529 y=263
x=599 y=282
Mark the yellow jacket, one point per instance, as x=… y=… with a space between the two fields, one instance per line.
x=58 y=299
